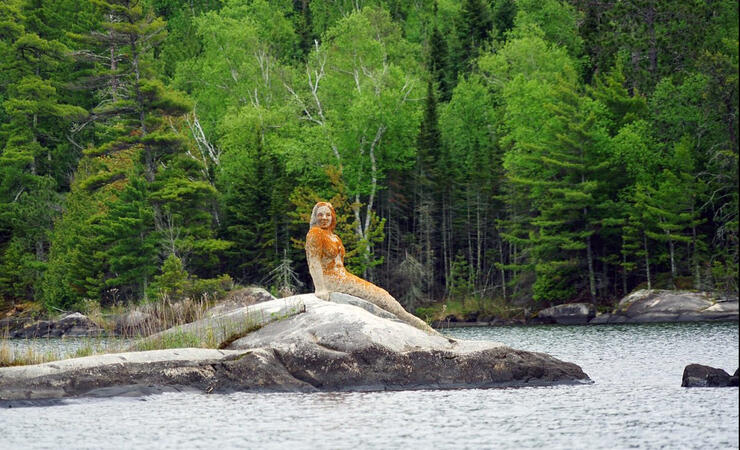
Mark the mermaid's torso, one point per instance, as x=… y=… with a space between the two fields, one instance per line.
x=325 y=247
x=328 y=248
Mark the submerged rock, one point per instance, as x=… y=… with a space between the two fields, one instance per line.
x=697 y=375
x=647 y=306
x=324 y=346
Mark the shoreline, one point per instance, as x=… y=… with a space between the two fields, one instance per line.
x=494 y=324
x=641 y=306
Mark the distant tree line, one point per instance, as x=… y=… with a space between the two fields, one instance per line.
x=534 y=151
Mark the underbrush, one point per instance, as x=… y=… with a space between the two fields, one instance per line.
x=470 y=309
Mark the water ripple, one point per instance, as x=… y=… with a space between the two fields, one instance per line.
x=635 y=402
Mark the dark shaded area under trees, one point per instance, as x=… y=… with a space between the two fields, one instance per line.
x=527 y=152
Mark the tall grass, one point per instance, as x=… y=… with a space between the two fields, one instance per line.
x=12 y=355
x=216 y=333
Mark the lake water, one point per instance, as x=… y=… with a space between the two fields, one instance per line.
x=636 y=401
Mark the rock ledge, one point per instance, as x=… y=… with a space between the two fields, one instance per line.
x=325 y=346
x=649 y=306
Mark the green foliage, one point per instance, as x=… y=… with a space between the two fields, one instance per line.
x=557 y=20
x=461 y=278
x=520 y=150
x=170 y=283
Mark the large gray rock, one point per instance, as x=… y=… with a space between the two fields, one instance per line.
x=303 y=344
x=134 y=322
x=646 y=306
x=339 y=347
x=568 y=314
x=71 y=325
x=346 y=299
x=239 y=298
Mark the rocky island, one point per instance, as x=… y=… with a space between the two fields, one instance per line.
x=298 y=344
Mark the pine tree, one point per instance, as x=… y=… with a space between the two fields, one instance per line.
x=568 y=198
x=34 y=121
x=136 y=129
x=670 y=212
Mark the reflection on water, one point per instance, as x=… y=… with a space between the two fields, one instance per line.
x=636 y=401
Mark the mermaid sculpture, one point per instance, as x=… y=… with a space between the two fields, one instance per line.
x=325 y=255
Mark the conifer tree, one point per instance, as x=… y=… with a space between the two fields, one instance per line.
x=671 y=214
x=426 y=181
x=474 y=27
x=438 y=64
x=573 y=193
x=129 y=243
x=251 y=200
x=34 y=120
x=137 y=141
x=304 y=25
x=503 y=14
x=624 y=108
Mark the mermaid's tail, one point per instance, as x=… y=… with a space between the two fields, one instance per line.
x=353 y=285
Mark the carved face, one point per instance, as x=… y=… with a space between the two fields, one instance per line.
x=323 y=217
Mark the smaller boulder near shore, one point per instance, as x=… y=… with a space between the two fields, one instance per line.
x=568 y=314
x=238 y=299
x=697 y=375
x=656 y=305
x=71 y=325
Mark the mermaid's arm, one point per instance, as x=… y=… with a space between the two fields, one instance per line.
x=313 y=256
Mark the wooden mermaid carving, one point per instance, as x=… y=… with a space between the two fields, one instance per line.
x=325 y=255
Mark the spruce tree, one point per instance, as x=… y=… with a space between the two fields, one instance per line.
x=504 y=12
x=474 y=27
x=623 y=107
x=426 y=184
x=438 y=64
x=129 y=242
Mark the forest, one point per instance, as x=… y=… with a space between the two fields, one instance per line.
x=526 y=152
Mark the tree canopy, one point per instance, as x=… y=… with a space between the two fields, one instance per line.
x=535 y=152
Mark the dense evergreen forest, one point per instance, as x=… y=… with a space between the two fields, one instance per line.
x=534 y=152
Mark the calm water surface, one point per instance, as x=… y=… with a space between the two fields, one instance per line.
x=635 y=402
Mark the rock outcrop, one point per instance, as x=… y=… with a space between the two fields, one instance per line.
x=697 y=375
x=323 y=346
x=71 y=325
x=239 y=298
x=568 y=314
x=646 y=306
